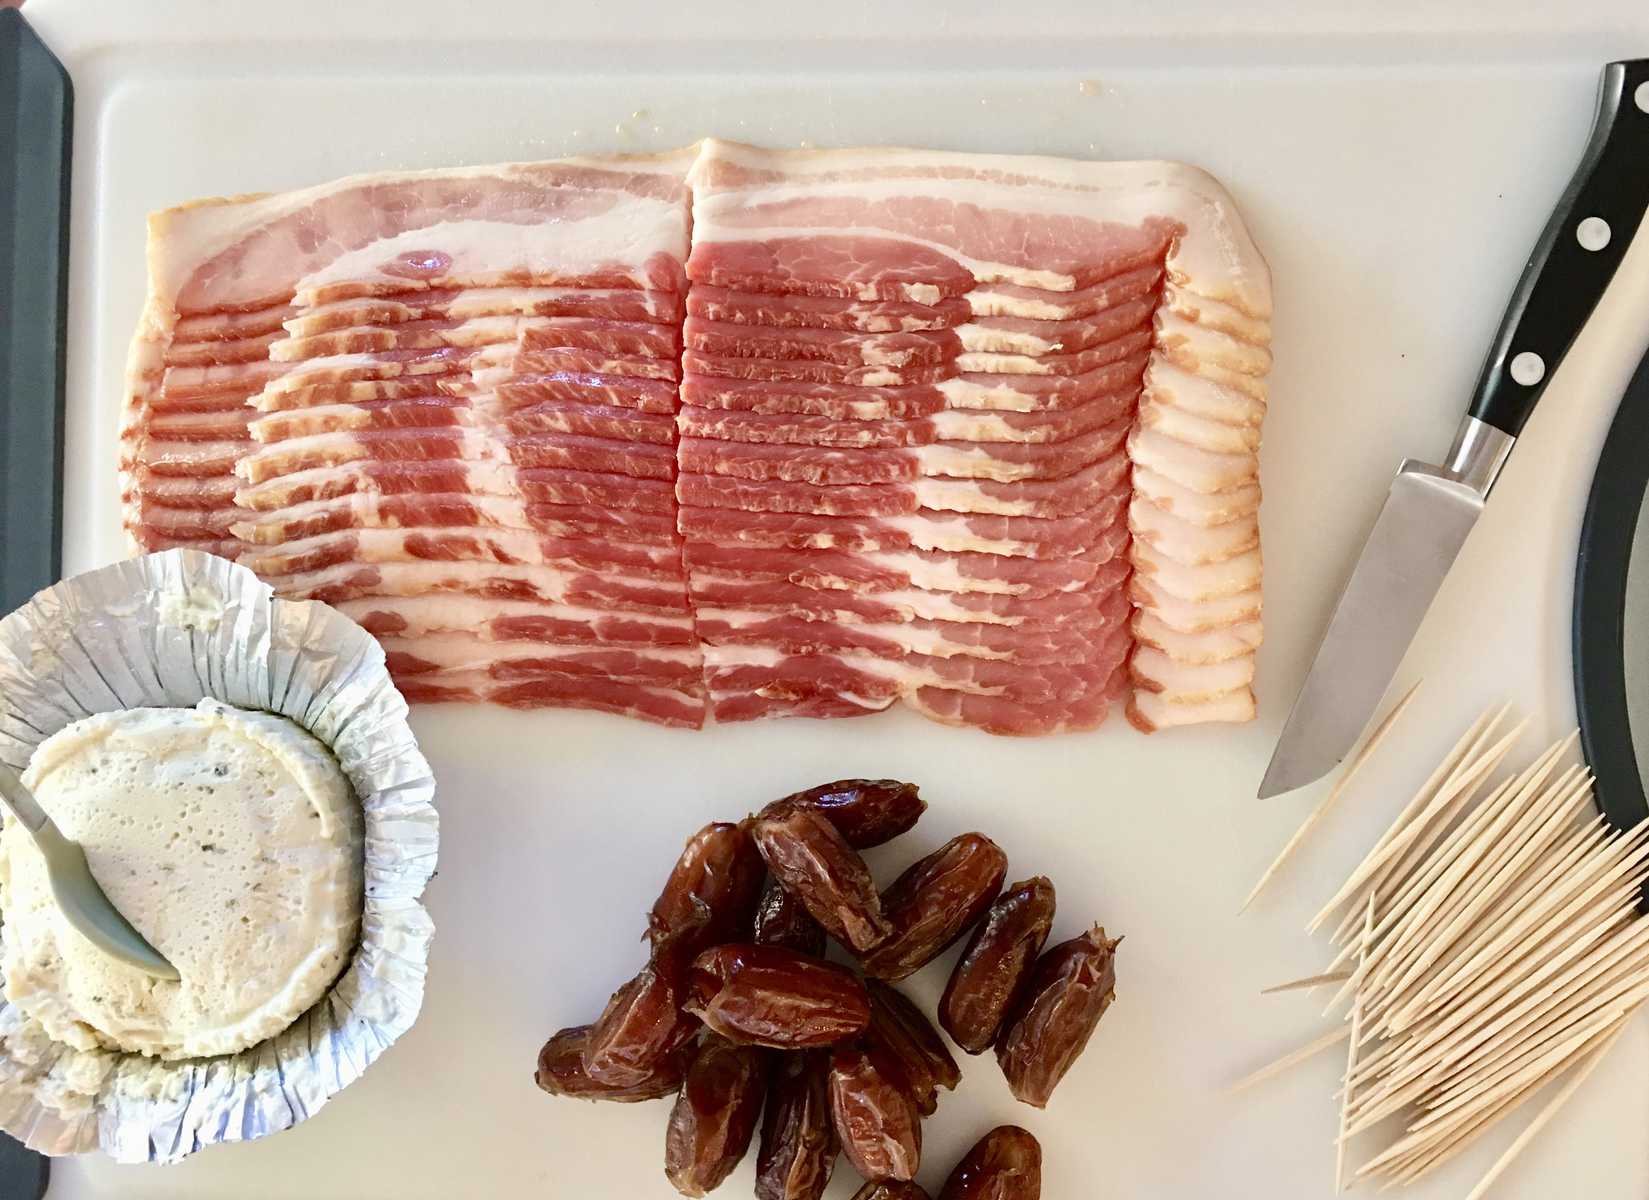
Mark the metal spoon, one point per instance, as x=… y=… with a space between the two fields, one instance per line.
x=76 y=889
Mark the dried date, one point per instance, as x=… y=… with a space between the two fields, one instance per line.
x=771 y=996
x=867 y=812
x=876 y=1118
x=798 y=1146
x=782 y=920
x=899 y=1027
x=714 y=1115
x=561 y=1071
x=1068 y=991
x=711 y=892
x=1005 y=1164
x=815 y=864
x=890 y=1189
x=934 y=902
x=642 y=1024
x=987 y=978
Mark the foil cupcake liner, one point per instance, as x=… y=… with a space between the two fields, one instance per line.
x=169 y=629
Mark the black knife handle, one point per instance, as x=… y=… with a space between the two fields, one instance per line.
x=1569 y=269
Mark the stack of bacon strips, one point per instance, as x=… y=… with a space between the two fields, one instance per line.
x=445 y=402
x=977 y=434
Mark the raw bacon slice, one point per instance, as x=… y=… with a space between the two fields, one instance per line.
x=721 y=339
x=933 y=570
x=1237 y=640
x=895 y=361
x=462 y=304
x=438 y=410
x=509 y=389
x=225 y=352
x=538 y=485
x=461 y=510
x=1023 y=643
x=512 y=581
x=1003 y=462
x=634 y=338
x=230 y=325
x=1008 y=717
x=807 y=429
x=1116 y=384
x=644 y=460
x=516 y=621
x=1153 y=710
x=354 y=546
x=824 y=312
x=433 y=656
x=921 y=529
x=816 y=599
x=1064 y=497
x=660 y=705
x=1040 y=304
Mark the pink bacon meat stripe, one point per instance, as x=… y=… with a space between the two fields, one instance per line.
x=732 y=432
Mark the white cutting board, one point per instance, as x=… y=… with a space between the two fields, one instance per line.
x=1395 y=181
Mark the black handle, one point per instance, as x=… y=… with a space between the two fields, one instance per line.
x=36 y=105
x=1577 y=254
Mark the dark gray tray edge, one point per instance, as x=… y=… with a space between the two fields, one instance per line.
x=36 y=130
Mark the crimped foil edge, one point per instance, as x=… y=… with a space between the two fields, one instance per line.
x=169 y=629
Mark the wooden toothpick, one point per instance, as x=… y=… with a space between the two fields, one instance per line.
x=1387 y=723
x=1310 y=981
x=1292 y=1059
x=1596 y=1056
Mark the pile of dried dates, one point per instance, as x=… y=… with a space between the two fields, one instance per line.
x=737 y=1010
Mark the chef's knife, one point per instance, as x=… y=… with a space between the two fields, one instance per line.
x=1431 y=509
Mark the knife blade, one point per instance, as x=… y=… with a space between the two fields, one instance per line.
x=1430 y=510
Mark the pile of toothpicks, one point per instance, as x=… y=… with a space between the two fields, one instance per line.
x=1490 y=943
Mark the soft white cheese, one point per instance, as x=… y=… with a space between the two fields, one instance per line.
x=230 y=839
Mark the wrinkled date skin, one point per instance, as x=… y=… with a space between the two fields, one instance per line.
x=815 y=864
x=992 y=970
x=770 y=996
x=714 y=1116
x=899 y=1027
x=890 y=1189
x=642 y=1025
x=798 y=1146
x=867 y=812
x=782 y=920
x=561 y=1071
x=875 y=1116
x=1069 y=990
x=1005 y=1164
x=934 y=902
x=711 y=892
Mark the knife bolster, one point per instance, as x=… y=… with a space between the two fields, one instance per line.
x=1478 y=453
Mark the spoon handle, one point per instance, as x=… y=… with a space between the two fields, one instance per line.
x=20 y=802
